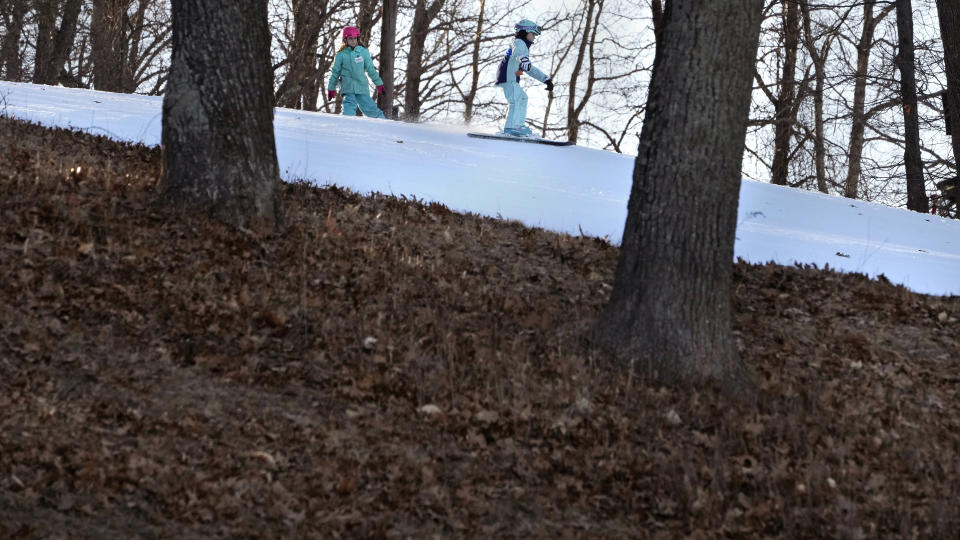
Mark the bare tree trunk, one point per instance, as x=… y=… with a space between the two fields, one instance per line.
x=422 y=17
x=313 y=92
x=949 y=15
x=219 y=152
x=916 y=191
x=13 y=14
x=365 y=19
x=388 y=53
x=108 y=44
x=587 y=38
x=65 y=36
x=46 y=12
x=669 y=313
x=133 y=37
x=864 y=47
x=546 y=114
x=819 y=59
x=475 y=67
x=785 y=108
x=656 y=11
x=307 y=21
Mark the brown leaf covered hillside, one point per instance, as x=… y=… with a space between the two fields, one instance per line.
x=385 y=368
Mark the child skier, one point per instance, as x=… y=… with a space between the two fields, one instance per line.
x=514 y=64
x=351 y=62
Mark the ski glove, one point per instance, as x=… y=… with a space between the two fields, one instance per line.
x=380 y=89
x=331 y=94
x=549 y=84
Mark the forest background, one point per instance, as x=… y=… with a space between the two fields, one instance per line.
x=827 y=112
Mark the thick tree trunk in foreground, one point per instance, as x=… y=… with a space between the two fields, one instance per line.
x=916 y=191
x=669 y=314
x=219 y=152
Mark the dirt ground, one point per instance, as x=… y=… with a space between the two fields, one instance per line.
x=385 y=368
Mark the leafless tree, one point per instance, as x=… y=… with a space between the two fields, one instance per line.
x=54 y=42
x=388 y=54
x=785 y=106
x=669 y=313
x=12 y=13
x=128 y=41
x=471 y=93
x=817 y=45
x=219 y=152
x=296 y=88
x=948 y=12
x=916 y=192
x=585 y=54
x=109 y=46
x=425 y=12
x=871 y=19
x=603 y=71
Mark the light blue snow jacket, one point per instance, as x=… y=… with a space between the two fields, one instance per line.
x=518 y=59
x=350 y=67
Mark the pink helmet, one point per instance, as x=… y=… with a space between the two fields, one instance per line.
x=351 y=31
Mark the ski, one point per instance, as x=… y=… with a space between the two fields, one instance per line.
x=537 y=140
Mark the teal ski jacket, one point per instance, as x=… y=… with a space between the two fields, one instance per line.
x=518 y=59
x=349 y=67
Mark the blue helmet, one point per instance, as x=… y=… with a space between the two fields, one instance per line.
x=526 y=25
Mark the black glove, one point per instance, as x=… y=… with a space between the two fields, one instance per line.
x=549 y=84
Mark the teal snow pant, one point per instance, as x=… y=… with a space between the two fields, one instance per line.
x=367 y=105
x=517 y=99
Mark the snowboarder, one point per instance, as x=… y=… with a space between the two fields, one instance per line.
x=512 y=67
x=351 y=67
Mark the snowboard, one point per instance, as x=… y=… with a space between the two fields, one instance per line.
x=537 y=140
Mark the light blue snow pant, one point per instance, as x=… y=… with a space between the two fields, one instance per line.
x=517 y=99
x=367 y=105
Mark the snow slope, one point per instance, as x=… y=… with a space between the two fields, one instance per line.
x=567 y=189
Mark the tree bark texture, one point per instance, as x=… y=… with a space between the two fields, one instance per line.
x=818 y=57
x=785 y=108
x=57 y=41
x=219 y=152
x=423 y=16
x=134 y=47
x=12 y=16
x=913 y=163
x=656 y=14
x=108 y=45
x=388 y=53
x=584 y=56
x=475 y=66
x=948 y=12
x=307 y=24
x=46 y=13
x=864 y=47
x=669 y=314
x=366 y=19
